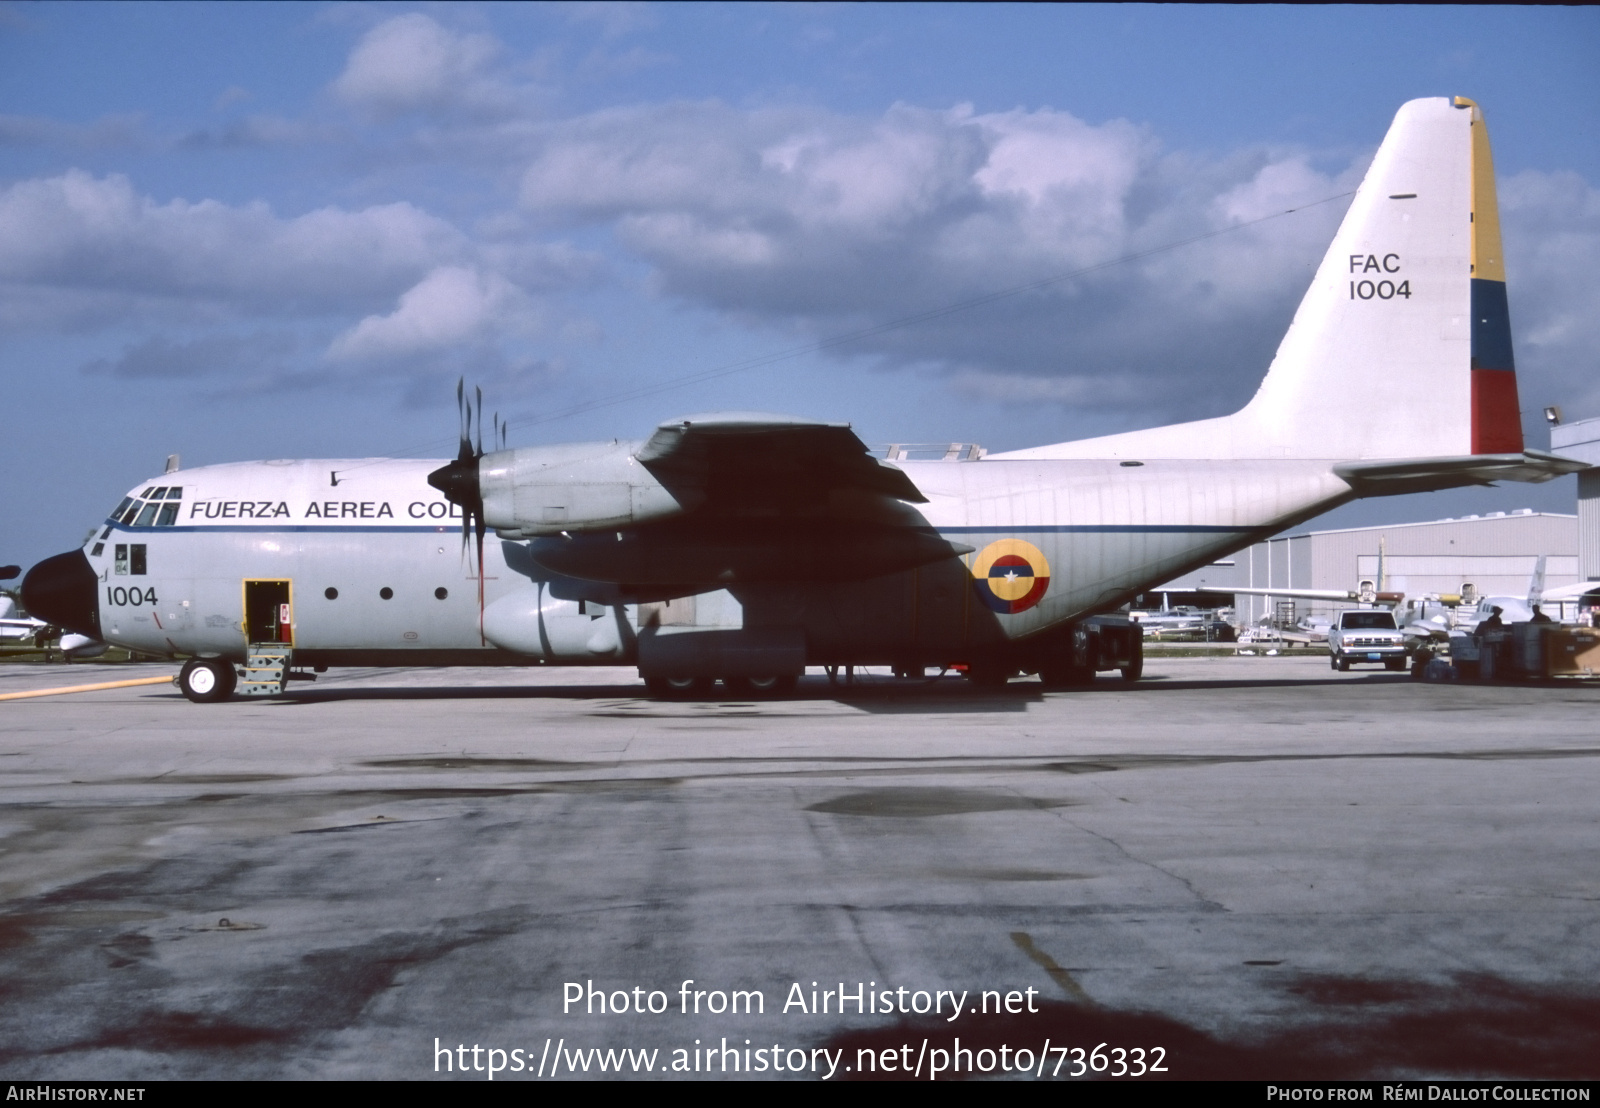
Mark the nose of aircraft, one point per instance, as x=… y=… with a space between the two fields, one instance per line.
x=62 y=590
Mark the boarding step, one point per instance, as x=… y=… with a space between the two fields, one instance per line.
x=266 y=670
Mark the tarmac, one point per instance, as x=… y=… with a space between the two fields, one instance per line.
x=1245 y=867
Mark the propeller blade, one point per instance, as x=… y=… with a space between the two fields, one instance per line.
x=459 y=479
x=463 y=420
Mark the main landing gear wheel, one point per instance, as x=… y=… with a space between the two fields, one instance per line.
x=1135 y=667
x=679 y=688
x=764 y=688
x=206 y=680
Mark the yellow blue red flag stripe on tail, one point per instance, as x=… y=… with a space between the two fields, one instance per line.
x=1496 y=421
x=1010 y=576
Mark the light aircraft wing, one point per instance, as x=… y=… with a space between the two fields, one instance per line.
x=13 y=626
x=21 y=628
x=1363 y=595
x=1352 y=595
x=749 y=461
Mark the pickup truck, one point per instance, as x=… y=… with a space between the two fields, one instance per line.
x=1366 y=635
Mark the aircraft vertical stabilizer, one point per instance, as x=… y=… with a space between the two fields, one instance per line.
x=1401 y=347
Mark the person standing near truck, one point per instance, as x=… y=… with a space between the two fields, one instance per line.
x=1488 y=635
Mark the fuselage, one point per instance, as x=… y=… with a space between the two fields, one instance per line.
x=365 y=563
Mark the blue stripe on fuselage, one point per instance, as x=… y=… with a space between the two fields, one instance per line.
x=434 y=529
x=1016 y=529
x=273 y=529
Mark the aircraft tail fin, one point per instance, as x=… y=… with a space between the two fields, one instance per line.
x=1401 y=347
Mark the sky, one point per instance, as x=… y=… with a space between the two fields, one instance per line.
x=237 y=231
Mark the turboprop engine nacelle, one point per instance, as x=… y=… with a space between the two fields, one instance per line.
x=591 y=486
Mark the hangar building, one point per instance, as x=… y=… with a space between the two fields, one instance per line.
x=1581 y=440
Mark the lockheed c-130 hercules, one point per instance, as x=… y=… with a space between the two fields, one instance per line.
x=745 y=547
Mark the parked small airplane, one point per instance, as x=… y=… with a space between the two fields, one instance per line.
x=1519 y=609
x=1434 y=616
x=744 y=547
x=14 y=627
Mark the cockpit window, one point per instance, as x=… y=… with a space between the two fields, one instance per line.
x=127 y=502
x=145 y=495
x=175 y=492
x=133 y=510
x=147 y=516
x=169 y=515
x=159 y=494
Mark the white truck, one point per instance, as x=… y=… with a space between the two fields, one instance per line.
x=1366 y=635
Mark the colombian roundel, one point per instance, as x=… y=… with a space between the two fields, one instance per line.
x=1011 y=576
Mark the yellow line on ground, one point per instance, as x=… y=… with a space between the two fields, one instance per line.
x=88 y=688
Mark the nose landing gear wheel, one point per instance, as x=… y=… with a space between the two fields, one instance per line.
x=206 y=680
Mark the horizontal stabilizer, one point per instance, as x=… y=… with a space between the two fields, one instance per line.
x=1431 y=474
x=1575 y=591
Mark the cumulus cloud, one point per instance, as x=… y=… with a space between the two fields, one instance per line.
x=1152 y=281
x=99 y=239
x=1551 y=225
x=413 y=64
x=78 y=248
x=821 y=223
x=451 y=307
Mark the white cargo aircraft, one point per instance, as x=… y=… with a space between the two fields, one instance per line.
x=745 y=547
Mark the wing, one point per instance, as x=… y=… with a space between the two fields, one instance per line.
x=774 y=499
x=751 y=463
